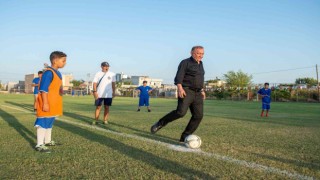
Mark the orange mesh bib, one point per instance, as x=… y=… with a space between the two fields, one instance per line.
x=54 y=98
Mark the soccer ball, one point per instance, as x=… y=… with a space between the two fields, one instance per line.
x=192 y=141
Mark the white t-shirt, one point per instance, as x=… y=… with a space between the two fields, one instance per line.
x=104 y=89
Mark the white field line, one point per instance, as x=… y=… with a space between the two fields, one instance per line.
x=244 y=163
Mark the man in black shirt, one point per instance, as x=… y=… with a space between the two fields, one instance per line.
x=190 y=81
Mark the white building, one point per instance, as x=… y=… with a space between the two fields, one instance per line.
x=121 y=76
x=138 y=80
x=11 y=85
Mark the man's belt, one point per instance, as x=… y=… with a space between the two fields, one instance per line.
x=193 y=89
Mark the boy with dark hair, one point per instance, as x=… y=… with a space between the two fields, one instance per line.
x=49 y=104
x=265 y=94
x=35 y=84
x=144 y=95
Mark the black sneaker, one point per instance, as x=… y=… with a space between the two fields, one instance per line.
x=149 y=110
x=156 y=127
x=183 y=137
x=138 y=110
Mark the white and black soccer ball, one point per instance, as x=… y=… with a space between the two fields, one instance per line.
x=193 y=141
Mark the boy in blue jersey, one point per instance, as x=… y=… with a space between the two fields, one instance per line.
x=144 y=95
x=49 y=101
x=265 y=94
x=35 y=84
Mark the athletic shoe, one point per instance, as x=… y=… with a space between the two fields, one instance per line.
x=52 y=143
x=156 y=127
x=42 y=148
x=94 y=122
x=183 y=137
x=138 y=110
x=149 y=110
x=105 y=122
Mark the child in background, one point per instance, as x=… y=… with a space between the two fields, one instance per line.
x=49 y=104
x=144 y=95
x=265 y=93
x=35 y=84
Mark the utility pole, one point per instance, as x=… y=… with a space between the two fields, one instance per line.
x=88 y=78
x=318 y=86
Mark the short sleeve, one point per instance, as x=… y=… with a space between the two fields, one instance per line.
x=259 y=92
x=46 y=81
x=96 y=77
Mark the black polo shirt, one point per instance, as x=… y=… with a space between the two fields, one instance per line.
x=190 y=74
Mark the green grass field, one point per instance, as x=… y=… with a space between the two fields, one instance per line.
x=237 y=143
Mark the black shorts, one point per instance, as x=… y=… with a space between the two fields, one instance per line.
x=106 y=101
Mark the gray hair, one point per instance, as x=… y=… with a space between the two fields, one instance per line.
x=196 y=47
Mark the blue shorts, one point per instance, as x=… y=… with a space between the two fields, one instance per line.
x=106 y=102
x=144 y=101
x=265 y=106
x=45 y=123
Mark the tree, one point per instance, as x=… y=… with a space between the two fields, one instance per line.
x=306 y=80
x=238 y=79
x=213 y=80
x=76 y=83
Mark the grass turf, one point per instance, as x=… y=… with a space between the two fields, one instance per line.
x=288 y=140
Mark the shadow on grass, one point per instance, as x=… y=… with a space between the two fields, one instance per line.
x=15 y=124
x=28 y=107
x=139 y=132
x=137 y=154
x=147 y=134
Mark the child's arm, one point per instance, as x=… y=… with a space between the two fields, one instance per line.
x=45 y=107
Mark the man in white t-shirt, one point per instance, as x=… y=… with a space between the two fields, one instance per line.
x=104 y=86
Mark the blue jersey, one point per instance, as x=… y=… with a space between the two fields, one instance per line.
x=266 y=99
x=36 y=88
x=46 y=80
x=144 y=91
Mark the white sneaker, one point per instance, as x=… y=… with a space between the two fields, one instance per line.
x=42 y=148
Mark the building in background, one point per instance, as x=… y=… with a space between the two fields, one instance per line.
x=121 y=76
x=28 y=82
x=10 y=86
x=138 y=80
x=66 y=82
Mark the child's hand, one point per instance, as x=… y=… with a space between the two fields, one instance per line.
x=45 y=108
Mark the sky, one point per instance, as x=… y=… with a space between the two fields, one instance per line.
x=274 y=41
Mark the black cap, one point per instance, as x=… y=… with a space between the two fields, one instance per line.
x=105 y=64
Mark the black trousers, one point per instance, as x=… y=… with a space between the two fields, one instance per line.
x=194 y=102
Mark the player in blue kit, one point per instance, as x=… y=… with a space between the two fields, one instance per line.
x=144 y=95
x=35 y=84
x=265 y=94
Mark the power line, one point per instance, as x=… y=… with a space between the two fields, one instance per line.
x=283 y=70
